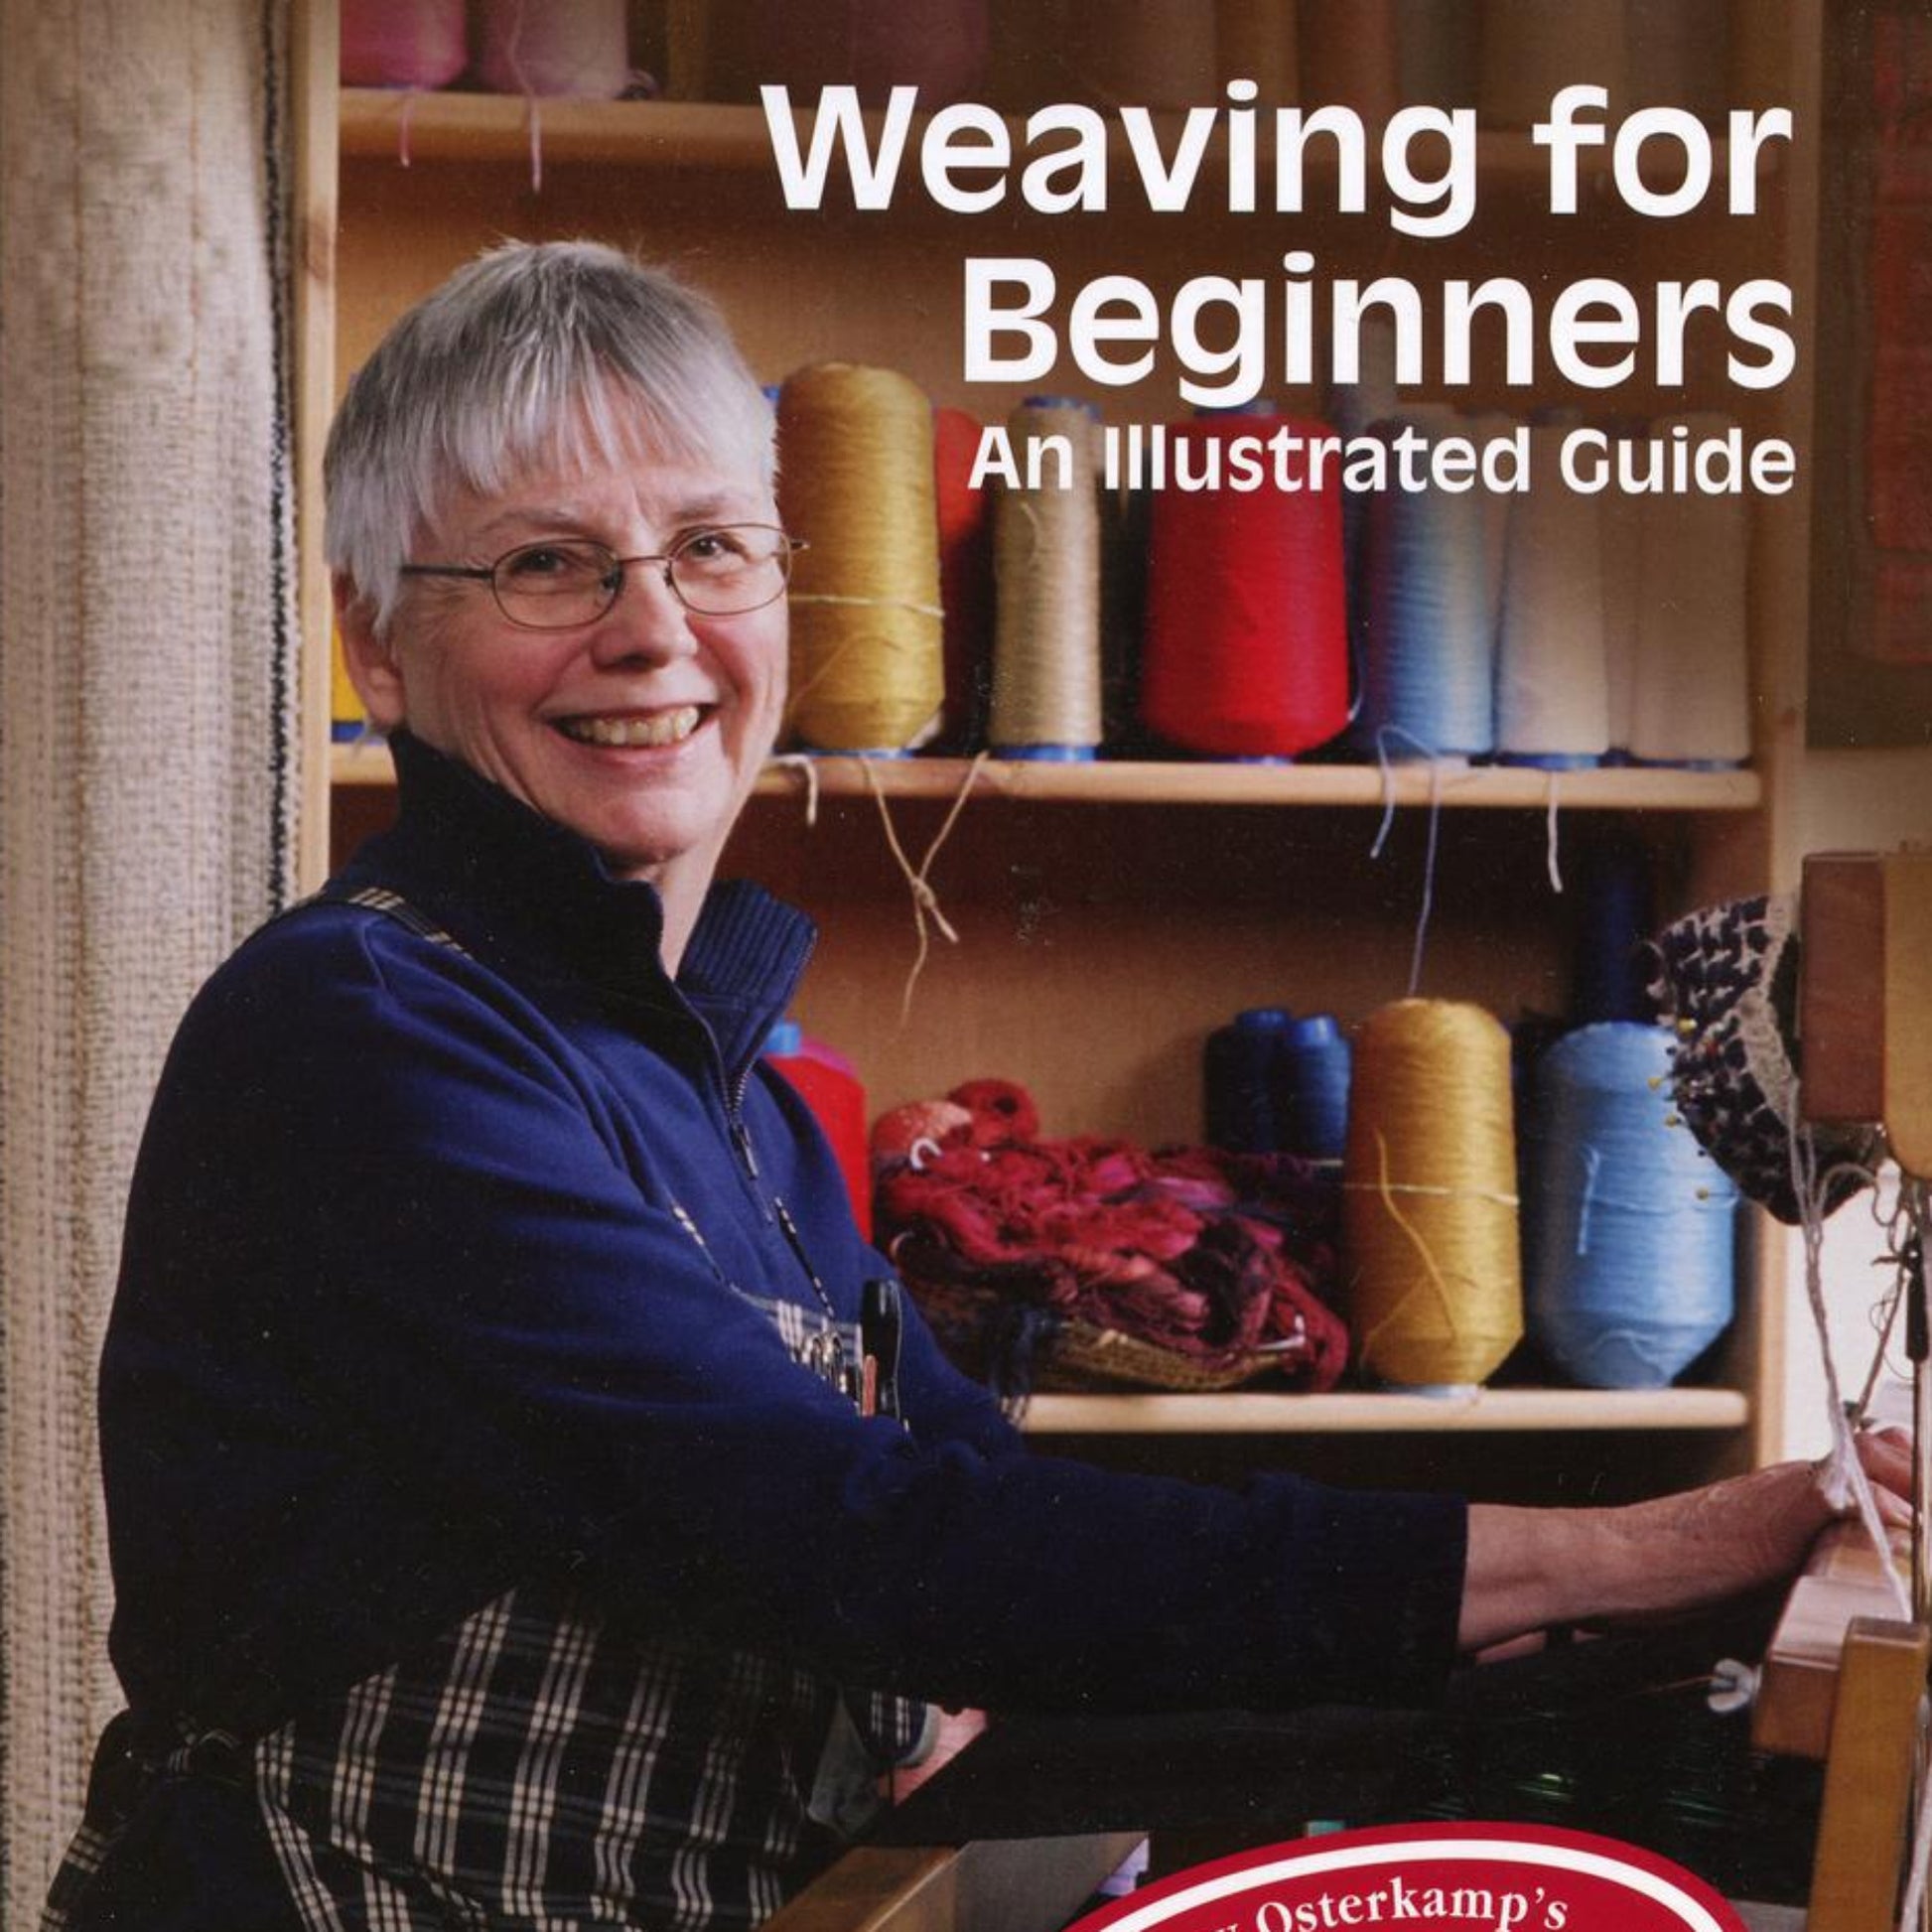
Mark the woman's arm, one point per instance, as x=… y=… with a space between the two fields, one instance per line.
x=1531 y=1568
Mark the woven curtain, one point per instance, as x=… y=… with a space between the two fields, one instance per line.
x=146 y=708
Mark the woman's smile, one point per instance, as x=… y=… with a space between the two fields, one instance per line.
x=630 y=730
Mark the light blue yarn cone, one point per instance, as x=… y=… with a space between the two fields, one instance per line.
x=1631 y=1274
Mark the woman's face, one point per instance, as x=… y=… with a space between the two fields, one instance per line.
x=694 y=701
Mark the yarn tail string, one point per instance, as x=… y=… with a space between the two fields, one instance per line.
x=1410 y=1233
x=1550 y=832
x=532 y=112
x=1382 y=737
x=806 y=767
x=926 y=901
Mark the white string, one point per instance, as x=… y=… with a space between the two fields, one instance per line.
x=1843 y=1475
x=1894 y=1227
x=1383 y=735
x=807 y=767
x=1550 y=832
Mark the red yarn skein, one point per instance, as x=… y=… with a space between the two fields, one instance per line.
x=1247 y=643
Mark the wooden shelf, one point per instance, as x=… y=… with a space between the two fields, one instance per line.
x=380 y=122
x=496 y=127
x=1130 y=783
x=1248 y=1413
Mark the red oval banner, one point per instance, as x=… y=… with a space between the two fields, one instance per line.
x=1462 y=1877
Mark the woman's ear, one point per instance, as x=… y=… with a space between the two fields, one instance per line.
x=369 y=659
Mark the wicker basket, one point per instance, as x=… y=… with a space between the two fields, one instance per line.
x=1064 y=1356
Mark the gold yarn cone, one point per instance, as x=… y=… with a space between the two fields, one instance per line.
x=1430 y=1210
x=856 y=483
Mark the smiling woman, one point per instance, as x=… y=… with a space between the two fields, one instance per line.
x=531 y=1503
x=633 y=707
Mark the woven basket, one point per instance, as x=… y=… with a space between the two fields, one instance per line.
x=1077 y=1356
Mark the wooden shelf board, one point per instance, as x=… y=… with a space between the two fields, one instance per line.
x=1128 y=782
x=449 y=126
x=382 y=124
x=1251 y=1413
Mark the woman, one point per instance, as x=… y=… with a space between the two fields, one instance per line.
x=499 y=1539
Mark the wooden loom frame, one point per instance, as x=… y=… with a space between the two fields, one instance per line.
x=1866 y=1033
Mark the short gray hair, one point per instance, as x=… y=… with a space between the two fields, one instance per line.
x=535 y=353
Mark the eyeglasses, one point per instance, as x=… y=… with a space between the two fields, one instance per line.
x=721 y=572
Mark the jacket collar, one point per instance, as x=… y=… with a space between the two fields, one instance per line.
x=535 y=899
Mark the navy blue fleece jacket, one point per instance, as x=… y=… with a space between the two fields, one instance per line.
x=409 y=1312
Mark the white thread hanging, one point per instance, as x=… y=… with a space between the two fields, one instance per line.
x=1551 y=691
x=1382 y=739
x=1840 y=1472
x=805 y=763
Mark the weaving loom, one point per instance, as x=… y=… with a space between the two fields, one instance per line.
x=1860 y=1004
x=1846 y=1672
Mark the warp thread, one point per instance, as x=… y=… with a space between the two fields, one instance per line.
x=858 y=481
x=1429 y=1203
x=1630 y=1256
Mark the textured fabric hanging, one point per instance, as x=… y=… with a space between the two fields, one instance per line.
x=147 y=673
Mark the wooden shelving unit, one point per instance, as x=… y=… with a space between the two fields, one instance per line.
x=1482 y=1411
x=723 y=137
x=1101 y=931
x=1136 y=782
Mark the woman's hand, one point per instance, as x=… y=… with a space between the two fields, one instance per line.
x=1530 y=1568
